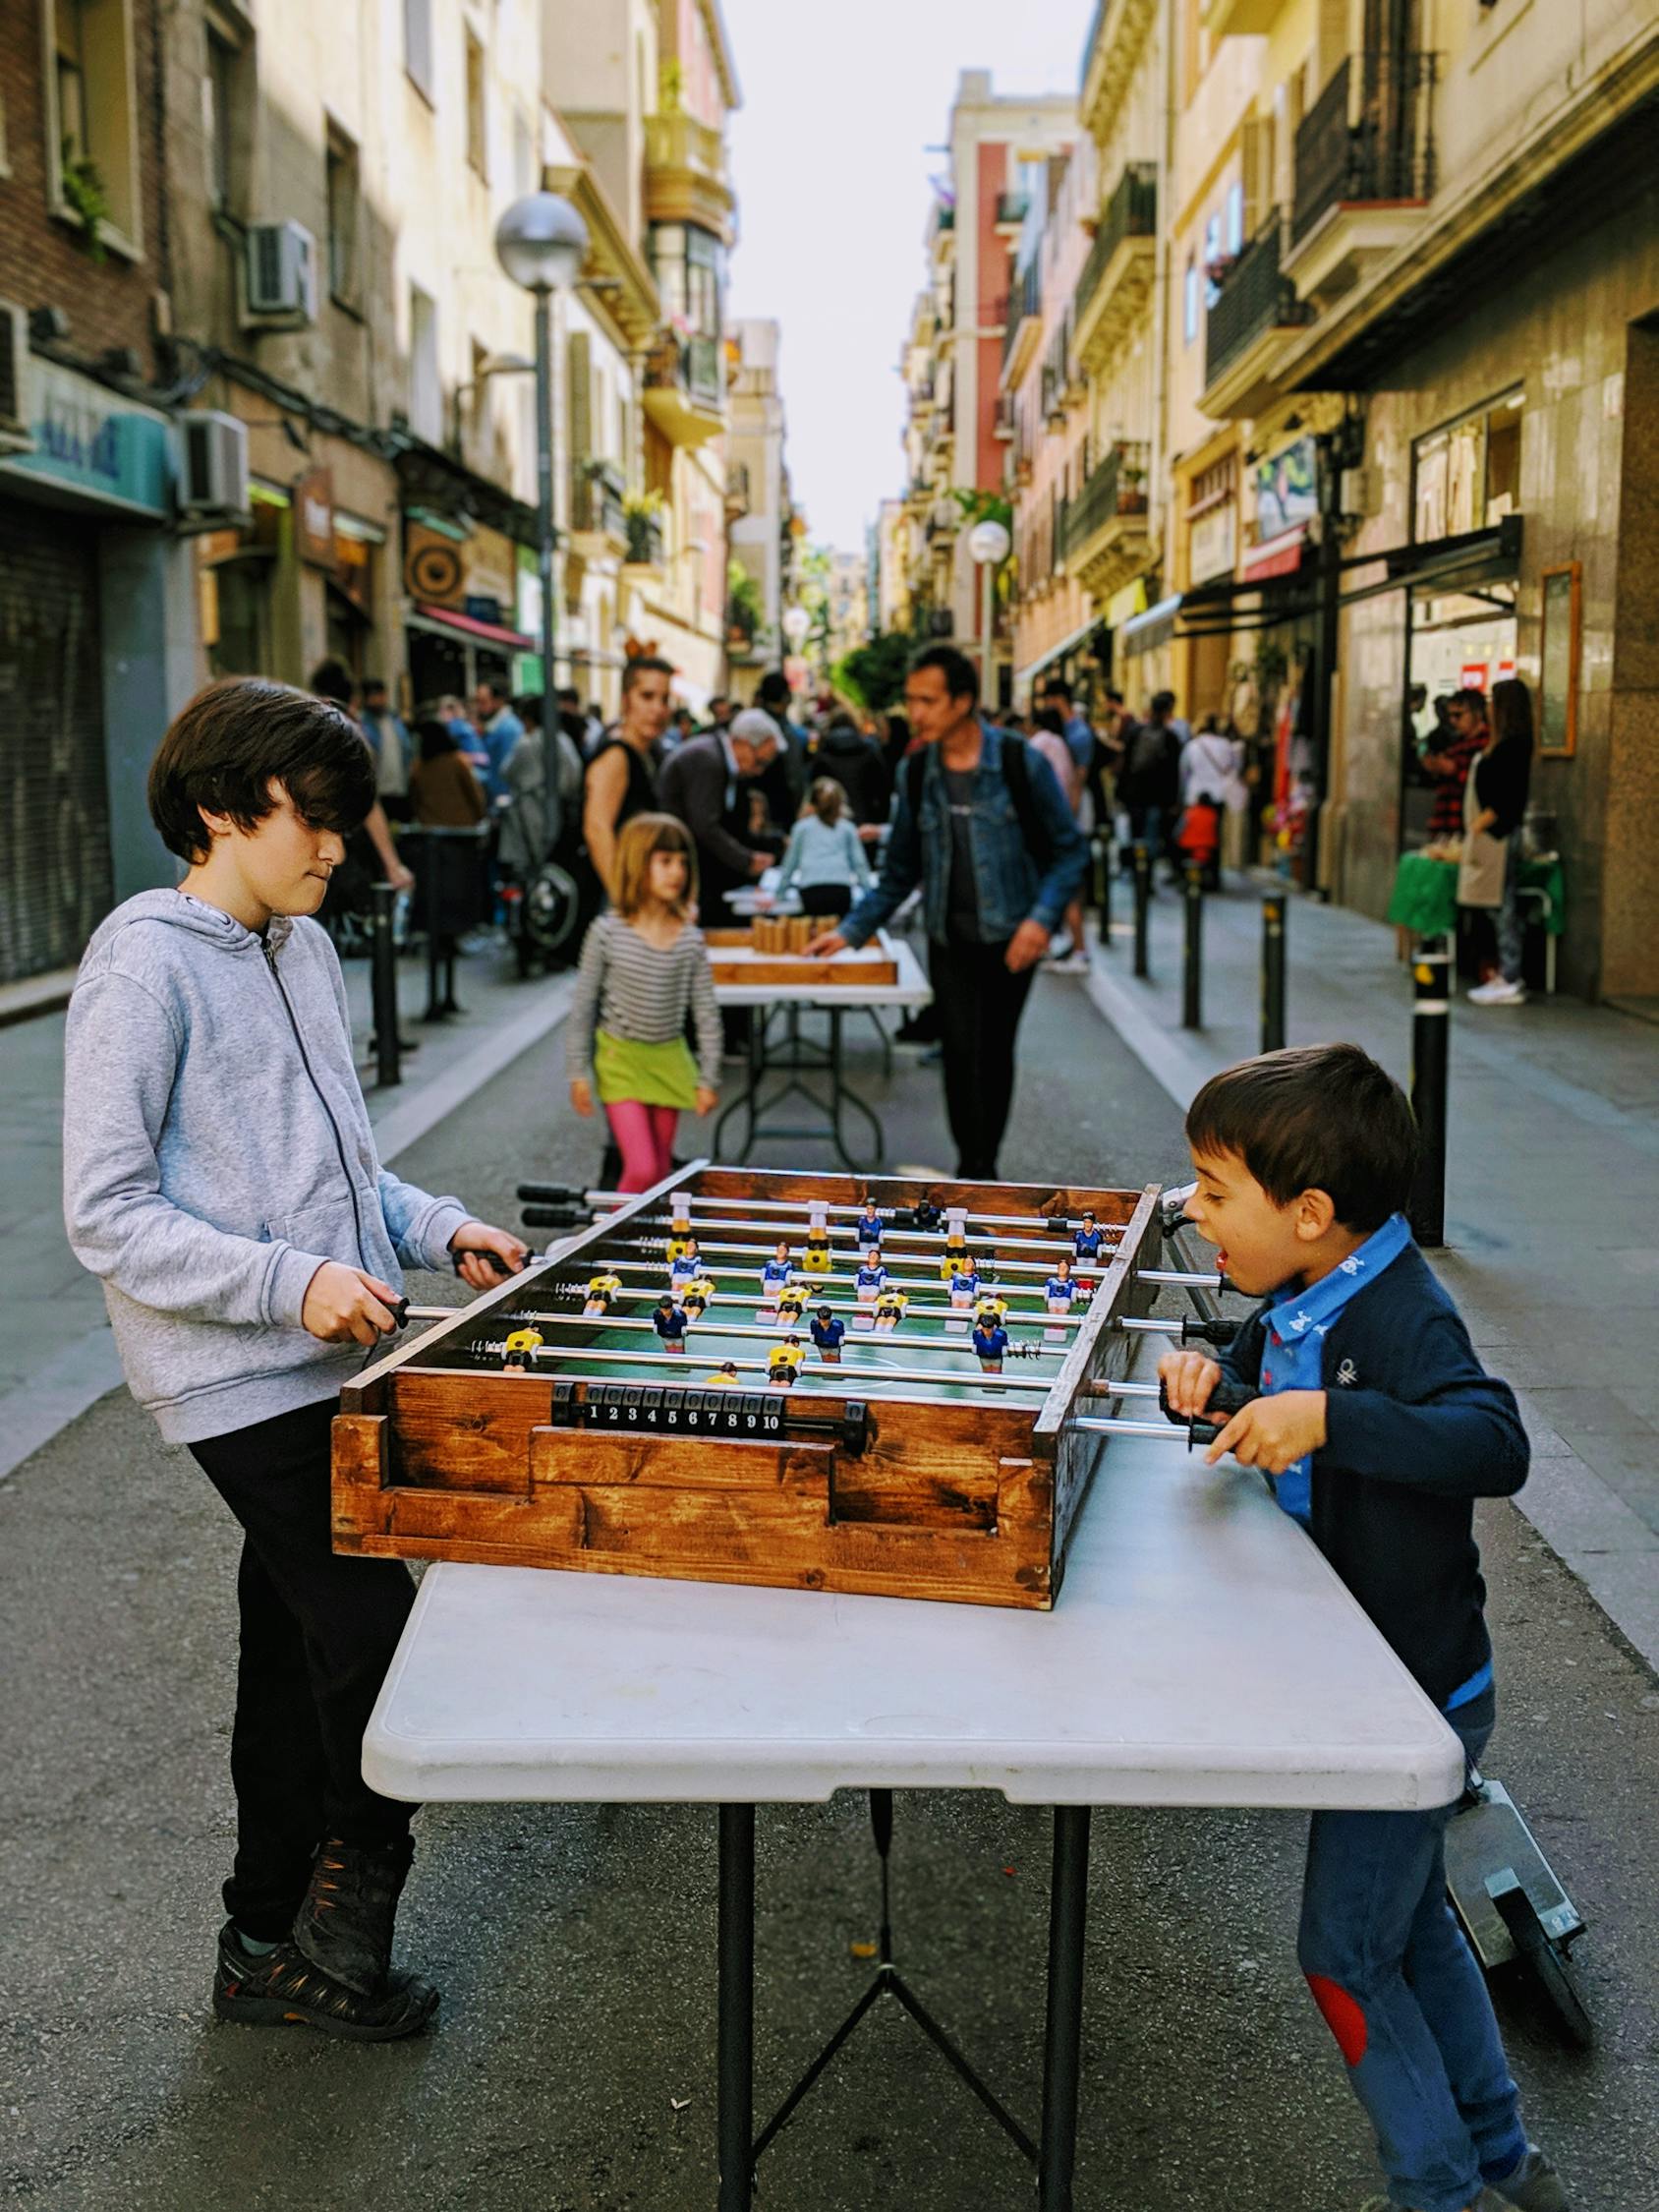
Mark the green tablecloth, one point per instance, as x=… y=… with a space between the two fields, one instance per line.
x=1425 y=893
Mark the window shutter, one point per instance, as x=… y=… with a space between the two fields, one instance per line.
x=580 y=388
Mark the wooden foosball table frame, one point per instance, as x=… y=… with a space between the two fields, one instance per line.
x=857 y=1477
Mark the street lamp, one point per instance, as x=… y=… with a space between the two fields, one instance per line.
x=542 y=243
x=987 y=543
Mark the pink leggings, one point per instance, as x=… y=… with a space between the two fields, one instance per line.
x=645 y=1138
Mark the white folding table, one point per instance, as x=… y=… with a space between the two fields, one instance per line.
x=1201 y=1653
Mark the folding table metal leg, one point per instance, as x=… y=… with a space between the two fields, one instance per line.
x=736 y=2057
x=1062 y=2045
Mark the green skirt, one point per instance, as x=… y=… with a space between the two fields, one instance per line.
x=655 y=1074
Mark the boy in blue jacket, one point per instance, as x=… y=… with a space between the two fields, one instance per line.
x=220 y=1177
x=1380 y=1429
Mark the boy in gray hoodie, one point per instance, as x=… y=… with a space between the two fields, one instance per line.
x=220 y=1177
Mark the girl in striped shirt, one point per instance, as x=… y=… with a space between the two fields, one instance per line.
x=644 y=967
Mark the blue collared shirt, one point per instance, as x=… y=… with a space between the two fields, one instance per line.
x=1297 y=1324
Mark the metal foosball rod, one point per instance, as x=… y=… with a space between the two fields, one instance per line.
x=817 y=1296
x=957 y=1347
x=913 y=1261
x=405 y=1311
x=684 y=1362
x=559 y=1193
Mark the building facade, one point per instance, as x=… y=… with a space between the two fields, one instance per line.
x=758 y=506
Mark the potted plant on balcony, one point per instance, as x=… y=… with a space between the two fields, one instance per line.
x=643 y=511
x=744 y=609
x=1131 y=489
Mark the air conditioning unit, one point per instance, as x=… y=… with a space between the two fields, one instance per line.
x=280 y=273
x=13 y=379
x=214 y=477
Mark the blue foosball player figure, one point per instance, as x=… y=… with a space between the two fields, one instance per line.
x=669 y=1323
x=870 y=1228
x=990 y=1341
x=827 y=1330
x=1087 y=1241
x=1060 y=1290
x=871 y=1277
x=685 y=1265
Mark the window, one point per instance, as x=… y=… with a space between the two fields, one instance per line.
x=343 y=216
x=689 y=265
x=524 y=171
x=417 y=43
x=1212 y=254
x=1234 y=226
x=1189 y=302
x=475 y=105
x=218 y=119
x=92 y=124
x=1466 y=476
x=426 y=385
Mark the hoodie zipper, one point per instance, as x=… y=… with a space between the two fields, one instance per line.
x=339 y=1142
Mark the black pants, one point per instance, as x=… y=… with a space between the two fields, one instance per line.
x=979 y=1008
x=319 y=1631
x=834 y=898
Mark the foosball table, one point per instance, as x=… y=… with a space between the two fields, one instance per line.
x=838 y=1384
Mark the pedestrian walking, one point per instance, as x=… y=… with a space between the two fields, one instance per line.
x=1069 y=954
x=856 y=764
x=392 y=746
x=644 y=968
x=443 y=791
x=1076 y=729
x=499 y=730
x=1212 y=788
x=824 y=853
x=1379 y=1427
x=622 y=779
x=1149 y=782
x=785 y=780
x=220 y=1176
x=705 y=784
x=1495 y=805
x=982 y=826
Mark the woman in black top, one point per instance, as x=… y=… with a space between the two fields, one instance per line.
x=1495 y=804
x=622 y=777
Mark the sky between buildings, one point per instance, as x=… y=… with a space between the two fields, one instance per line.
x=830 y=157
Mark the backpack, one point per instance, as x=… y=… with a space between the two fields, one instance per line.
x=1016 y=774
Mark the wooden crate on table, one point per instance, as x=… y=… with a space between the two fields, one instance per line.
x=741 y=959
x=616 y=1461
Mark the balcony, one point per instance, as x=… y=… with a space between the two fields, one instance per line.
x=945 y=520
x=646 y=541
x=1116 y=279
x=739 y=500
x=685 y=175
x=1105 y=534
x=1022 y=324
x=1118 y=39
x=1012 y=207
x=599 y=521
x=1003 y=422
x=685 y=388
x=1365 y=169
x=1255 y=315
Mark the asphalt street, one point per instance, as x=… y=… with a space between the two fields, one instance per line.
x=572 y=2070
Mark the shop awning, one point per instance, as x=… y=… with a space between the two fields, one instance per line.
x=1144 y=633
x=1056 y=652
x=449 y=624
x=1276 y=556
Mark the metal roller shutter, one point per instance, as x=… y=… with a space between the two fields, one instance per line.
x=55 y=876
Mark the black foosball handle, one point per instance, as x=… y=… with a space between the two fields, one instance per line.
x=1219 y=1333
x=555 y=1217
x=551 y=1193
x=1227 y=1399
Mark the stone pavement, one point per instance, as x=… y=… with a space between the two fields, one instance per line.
x=1552 y=1193
x=57 y=1356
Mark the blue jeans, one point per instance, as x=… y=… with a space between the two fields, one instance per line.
x=1404 y=1997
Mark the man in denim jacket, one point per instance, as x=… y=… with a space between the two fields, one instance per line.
x=987 y=835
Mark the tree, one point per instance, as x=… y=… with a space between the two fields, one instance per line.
x=873 y=674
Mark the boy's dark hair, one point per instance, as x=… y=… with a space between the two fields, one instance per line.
x=961 y=677
x=1314 y=1118
x=233 y=741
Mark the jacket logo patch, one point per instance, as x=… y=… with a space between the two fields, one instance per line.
x=1348 y=1374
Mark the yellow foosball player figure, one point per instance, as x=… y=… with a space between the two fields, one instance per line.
x=889 y=1309
x=791 y=1305
x=817 y=1255
x=784 y=1363
x=956 y=1253
x=726 y=1376
x=694 y=1299
x=521 y=1349
x=603 y=1291
x=681 y=1237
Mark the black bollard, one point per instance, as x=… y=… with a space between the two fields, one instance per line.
x=1431 y=1012
x=1192 y=950
x=1275 y=909
x=1142 y=860
x=383 y=983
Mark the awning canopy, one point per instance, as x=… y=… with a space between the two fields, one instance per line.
x=1276 y=556
x=448 y=623
x=1144 y=633
x=1056 y=652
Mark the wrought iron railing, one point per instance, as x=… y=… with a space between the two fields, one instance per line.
x=596 y=500
x=1131 y=212
x=1025 y=298
x=1368 y=136
x=1117 y=485
x=645 y=539
x=1252 y=297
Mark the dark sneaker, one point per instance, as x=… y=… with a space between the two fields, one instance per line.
x=281 y=1988
x=344 y=1927
x=1533 y=2186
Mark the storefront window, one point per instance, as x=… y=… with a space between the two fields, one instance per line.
x=1468 y=476
x=242 y=646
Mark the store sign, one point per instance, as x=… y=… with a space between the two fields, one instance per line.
x=1471 y=676
x=313 y=518
x=90 y=439
x=1286 y=490
x=1215 y=538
